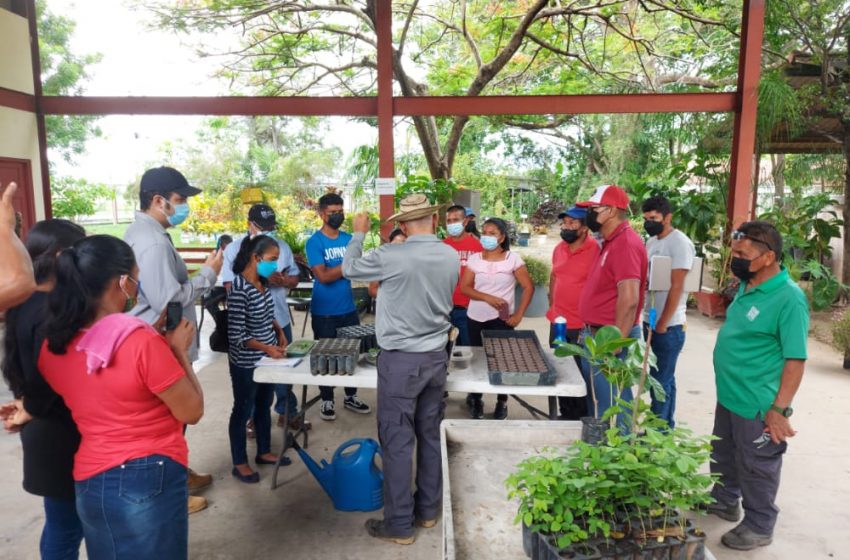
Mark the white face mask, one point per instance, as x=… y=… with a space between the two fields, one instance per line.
x=455 y=229
x=489 y=242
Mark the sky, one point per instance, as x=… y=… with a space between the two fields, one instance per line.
x=138 y=60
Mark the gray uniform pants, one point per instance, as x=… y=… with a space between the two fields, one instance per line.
x=746 y=469
x=410 y=408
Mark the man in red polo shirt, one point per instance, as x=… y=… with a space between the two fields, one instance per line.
x=615 y=287
x=466 y=245
x=571 y=262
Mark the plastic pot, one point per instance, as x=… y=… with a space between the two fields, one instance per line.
x=593 y=430
x=529 y=540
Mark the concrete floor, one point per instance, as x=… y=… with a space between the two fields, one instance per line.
x=298 y=521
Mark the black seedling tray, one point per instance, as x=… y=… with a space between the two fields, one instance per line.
x=334 y=356
x=516 y=358
x=365 y=333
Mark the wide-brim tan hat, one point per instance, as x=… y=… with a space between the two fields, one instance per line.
x=413 y=207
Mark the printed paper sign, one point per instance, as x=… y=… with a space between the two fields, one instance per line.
x=385 y=185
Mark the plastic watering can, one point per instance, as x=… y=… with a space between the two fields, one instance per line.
x=352 y=480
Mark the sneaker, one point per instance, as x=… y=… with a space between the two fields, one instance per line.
x=476 y=409
x=196 y=504
x=197 y=481
x=354 y=404
x=426 y=523
x=377 y=529
x=501 y=411
x=729 y=512
x=326 y=412
x=744 y=538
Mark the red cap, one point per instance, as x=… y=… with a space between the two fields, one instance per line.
x=607 y=195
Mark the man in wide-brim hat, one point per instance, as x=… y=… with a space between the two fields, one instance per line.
x=421 y=273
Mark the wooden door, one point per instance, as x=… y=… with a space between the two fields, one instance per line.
x=20 y=171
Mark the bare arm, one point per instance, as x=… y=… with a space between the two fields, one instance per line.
x=185 y=397
x=524 y=280
x=792 y=376
x=677 y=286
x=628 y=296
x=373 y=289
x=551 y=289
x=326 y=275
x=279 y=280
x=16 y=276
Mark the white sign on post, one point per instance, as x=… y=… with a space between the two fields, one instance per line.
x=385 y=185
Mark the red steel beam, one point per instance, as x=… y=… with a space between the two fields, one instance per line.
x=32 y=19
x=739 y=207
x=295 y=106
x=386 y=155
x=17 y=100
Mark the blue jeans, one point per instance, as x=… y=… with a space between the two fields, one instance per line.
x=136 y=510
x=604 y=390
x=325 y=326
x=280 y=391
x=248 y=394
x=63 y=531
x=667 y=347
x=458 y=319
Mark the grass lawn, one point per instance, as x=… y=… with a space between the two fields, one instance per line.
x=117 y=230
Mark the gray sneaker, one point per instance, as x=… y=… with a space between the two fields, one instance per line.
x=744 y=538
x=729 y=512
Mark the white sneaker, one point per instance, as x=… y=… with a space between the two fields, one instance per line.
x=326 y=412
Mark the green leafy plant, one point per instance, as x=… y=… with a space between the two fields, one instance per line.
x=822 y=287
x=841 y=331
x=538 y=269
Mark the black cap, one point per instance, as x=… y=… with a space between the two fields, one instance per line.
x=167 y=180
x=263 y=216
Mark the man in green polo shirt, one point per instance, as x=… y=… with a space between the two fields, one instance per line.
x=759 y=360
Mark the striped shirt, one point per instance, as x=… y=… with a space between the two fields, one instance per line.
x=249 y=316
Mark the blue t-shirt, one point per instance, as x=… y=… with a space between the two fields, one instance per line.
x=334 y=298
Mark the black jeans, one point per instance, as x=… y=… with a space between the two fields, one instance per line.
x=475 y=328
x=325 y=326
x=571 y=408
x=248 y=395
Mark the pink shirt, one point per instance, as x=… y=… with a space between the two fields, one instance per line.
x=495 y=278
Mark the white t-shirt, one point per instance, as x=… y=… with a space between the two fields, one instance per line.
x=681 y=251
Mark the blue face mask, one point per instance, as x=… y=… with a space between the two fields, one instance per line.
x=181 y=212
x=489 y=242
x=455 y=229
x=266 y=268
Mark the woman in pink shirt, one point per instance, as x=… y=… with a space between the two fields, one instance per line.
x=130 y=391
x=490 y=281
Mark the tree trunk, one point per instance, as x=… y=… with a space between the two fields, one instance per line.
x=778 y=164
x=845 y=260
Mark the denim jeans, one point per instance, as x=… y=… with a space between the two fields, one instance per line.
x=325 y=326
x=63 y=531
x=280 y=391
x=605 y=392
x=458 y=319
x=136 y=510
x=666 y=347
x=248 y=394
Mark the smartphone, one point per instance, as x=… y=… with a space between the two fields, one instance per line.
x=173 y=315
x=218 y=245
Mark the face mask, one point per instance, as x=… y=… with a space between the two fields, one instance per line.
x=741 y=268
x=653 y=228
x=455 y=229
x=470 y=227
x=131 y=302
x=336 y=220
x=569 y=235
x=181 y=212
x=266 y=268
x=489 y=242
x=593 y=220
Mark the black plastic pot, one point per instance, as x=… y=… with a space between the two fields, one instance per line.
x=576 y=551
x=593 y=430
x=529 y=540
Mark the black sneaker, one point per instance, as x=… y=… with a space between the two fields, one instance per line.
x=354 y=404
x=744 y=538
x=377 y=529
x=729 y=512
x=501 y=411
x=476 y=409
x=327 y=412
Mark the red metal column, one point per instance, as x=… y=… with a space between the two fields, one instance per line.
x=39 y=113
x=744 y=134
x=386 y=164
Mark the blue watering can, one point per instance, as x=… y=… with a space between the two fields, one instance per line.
x=352 y=479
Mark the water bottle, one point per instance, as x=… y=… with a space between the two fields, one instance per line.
x=560 y=329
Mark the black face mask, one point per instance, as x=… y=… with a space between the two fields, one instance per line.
x=653 y=228
x=336 y=220
x=593 y=220
x=569 y=235
x=741 y=268
x=470 y=227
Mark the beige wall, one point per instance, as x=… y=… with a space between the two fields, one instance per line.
x=18 y=129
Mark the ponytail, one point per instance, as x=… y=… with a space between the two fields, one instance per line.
x=250 y=247
x=83 y=273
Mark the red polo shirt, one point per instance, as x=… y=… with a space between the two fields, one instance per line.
x=466 y=246
x=569 y=273
x=623 y=257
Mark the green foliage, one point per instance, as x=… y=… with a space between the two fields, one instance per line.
x=841 y=331
x=538 y=269
x=73 y=198
x=438 y=191
x=807 y=223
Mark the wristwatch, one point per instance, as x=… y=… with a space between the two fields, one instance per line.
x=786 y=412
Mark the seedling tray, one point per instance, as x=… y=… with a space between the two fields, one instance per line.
x=364 y=333
x=334 y=356
x=299 y=348
x=516 y=358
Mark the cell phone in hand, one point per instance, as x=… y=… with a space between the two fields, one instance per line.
x=173 y=315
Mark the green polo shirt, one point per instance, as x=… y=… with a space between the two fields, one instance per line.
x=764 y=327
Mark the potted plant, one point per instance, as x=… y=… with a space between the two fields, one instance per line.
x=539 y=272
x=713 y=303
x=841 y=334
x=624 y=496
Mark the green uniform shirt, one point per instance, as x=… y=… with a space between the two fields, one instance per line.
x=764 y=327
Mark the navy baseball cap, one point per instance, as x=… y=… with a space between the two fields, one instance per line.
x=574 y=212
x=263 y=216
x=166 y=180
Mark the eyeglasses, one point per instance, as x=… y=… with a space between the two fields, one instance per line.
x=740 y=235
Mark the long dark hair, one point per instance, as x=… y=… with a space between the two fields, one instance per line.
x=83 y=273
x=250 y=247
x=502 y=226
x=44 y=241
